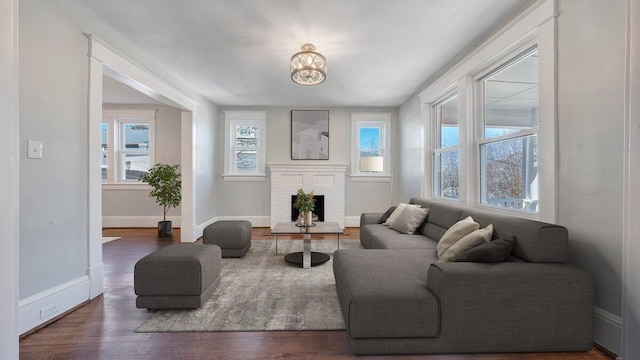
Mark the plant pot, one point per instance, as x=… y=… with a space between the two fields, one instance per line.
x=165 y=228
x=308 y=217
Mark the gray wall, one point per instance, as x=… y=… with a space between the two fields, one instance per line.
x=53 y=109
x=206 y=161
x=591 y=53
x=138 y=202
x=252 y=198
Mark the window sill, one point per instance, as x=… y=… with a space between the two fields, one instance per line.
x=371 y=178
x=126 y=186
x=238 y=177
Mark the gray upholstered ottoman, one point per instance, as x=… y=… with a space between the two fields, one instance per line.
x=233 y=237
x=177 y=276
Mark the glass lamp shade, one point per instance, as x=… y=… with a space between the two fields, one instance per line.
x=372 y=164
x=308 y=67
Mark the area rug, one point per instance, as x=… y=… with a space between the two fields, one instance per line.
x=262 y=292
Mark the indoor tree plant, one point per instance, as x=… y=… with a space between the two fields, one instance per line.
x=305 y=203
x=167 y=186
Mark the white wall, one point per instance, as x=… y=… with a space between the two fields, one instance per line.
x=137 y=202
x=252 y=198
x=9 y=162
x=53 y=190
x=591 y=61
x=411 y=168
x=206 y=162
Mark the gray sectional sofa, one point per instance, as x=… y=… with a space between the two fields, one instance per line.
x=397 y=299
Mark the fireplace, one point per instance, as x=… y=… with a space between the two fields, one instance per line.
x=321 y=178
x=317 y=212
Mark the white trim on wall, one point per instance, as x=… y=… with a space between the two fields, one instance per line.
x=630 y=347
x=606 y=328
x=137 y=221
x=9 y=180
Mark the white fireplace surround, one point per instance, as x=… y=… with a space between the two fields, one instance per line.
x=323 y=179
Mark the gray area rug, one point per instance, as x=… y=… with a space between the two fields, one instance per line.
x=262 y=292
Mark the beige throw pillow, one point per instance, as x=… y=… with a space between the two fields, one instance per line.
x=409 y=220
x=469 y=241
x=455 y=233
x=394 y=215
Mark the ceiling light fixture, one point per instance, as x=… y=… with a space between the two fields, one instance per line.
x=308 y=67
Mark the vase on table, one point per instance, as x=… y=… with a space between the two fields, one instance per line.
x=308 y=218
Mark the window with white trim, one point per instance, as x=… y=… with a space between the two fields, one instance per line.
x=245 y=145
x=507 y=133
x=370 y=144
x=446 y=154
x=128 y=144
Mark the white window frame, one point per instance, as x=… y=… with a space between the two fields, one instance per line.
x=536 y=25
x=479 y=140
x=232 y=119
x=115 y=118
x=377 y=120
x=437 y=148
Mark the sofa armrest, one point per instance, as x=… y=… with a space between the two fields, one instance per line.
x=548 y=306
x=370 y=218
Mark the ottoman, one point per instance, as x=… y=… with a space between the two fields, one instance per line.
x=178 y=276
x=233 y=237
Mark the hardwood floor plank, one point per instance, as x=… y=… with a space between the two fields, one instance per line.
x=105 y=328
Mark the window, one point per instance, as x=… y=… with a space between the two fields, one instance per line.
x=446 y=155
x=245 y=145
x=508 y=142
x=370 y=140
x=128 y=146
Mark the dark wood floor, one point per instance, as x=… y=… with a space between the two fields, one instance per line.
x=105 y=327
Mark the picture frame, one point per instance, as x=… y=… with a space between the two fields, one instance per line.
x=309 y=134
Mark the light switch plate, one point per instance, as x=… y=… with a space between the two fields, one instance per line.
x=34 y=149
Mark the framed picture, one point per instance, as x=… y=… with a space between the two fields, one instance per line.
x=309 y=135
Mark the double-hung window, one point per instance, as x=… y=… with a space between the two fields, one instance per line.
x=508 y=133
x=128 y=145
x=370 y=144
x=245 y=145
x=446 y=154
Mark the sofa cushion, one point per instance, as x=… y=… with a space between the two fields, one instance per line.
x=469 y=241
x=392 y=239
x=383 y=293
x=456 y=232
x=409 y=220
x=537 y=241
x=441 y=217
x=494 y=251
x=386 y=215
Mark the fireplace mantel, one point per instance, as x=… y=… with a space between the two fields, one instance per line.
x=321 y=178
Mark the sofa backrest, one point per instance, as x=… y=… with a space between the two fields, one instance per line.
x=535 y=241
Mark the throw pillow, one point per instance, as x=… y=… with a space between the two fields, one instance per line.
x=469 y=241
x=409 y=220
x=394 y=215
x=386 y=215
x=494 y=251
x=455 y=233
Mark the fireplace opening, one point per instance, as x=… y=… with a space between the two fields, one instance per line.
x=318 y=212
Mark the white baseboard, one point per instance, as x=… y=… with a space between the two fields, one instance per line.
x=42 y=307
x=352 y=221
x=96 y=276
x=136 y=221
x=607 y=330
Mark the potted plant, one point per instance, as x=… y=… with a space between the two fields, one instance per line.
x=305 y=203
x=167 y=187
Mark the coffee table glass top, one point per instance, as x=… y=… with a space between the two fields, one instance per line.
x=321 y=227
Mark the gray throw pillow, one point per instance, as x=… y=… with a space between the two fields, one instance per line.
x=494 y=251
x=409 y=220
x=386 y=215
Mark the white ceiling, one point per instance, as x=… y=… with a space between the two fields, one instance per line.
x=236 y=52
